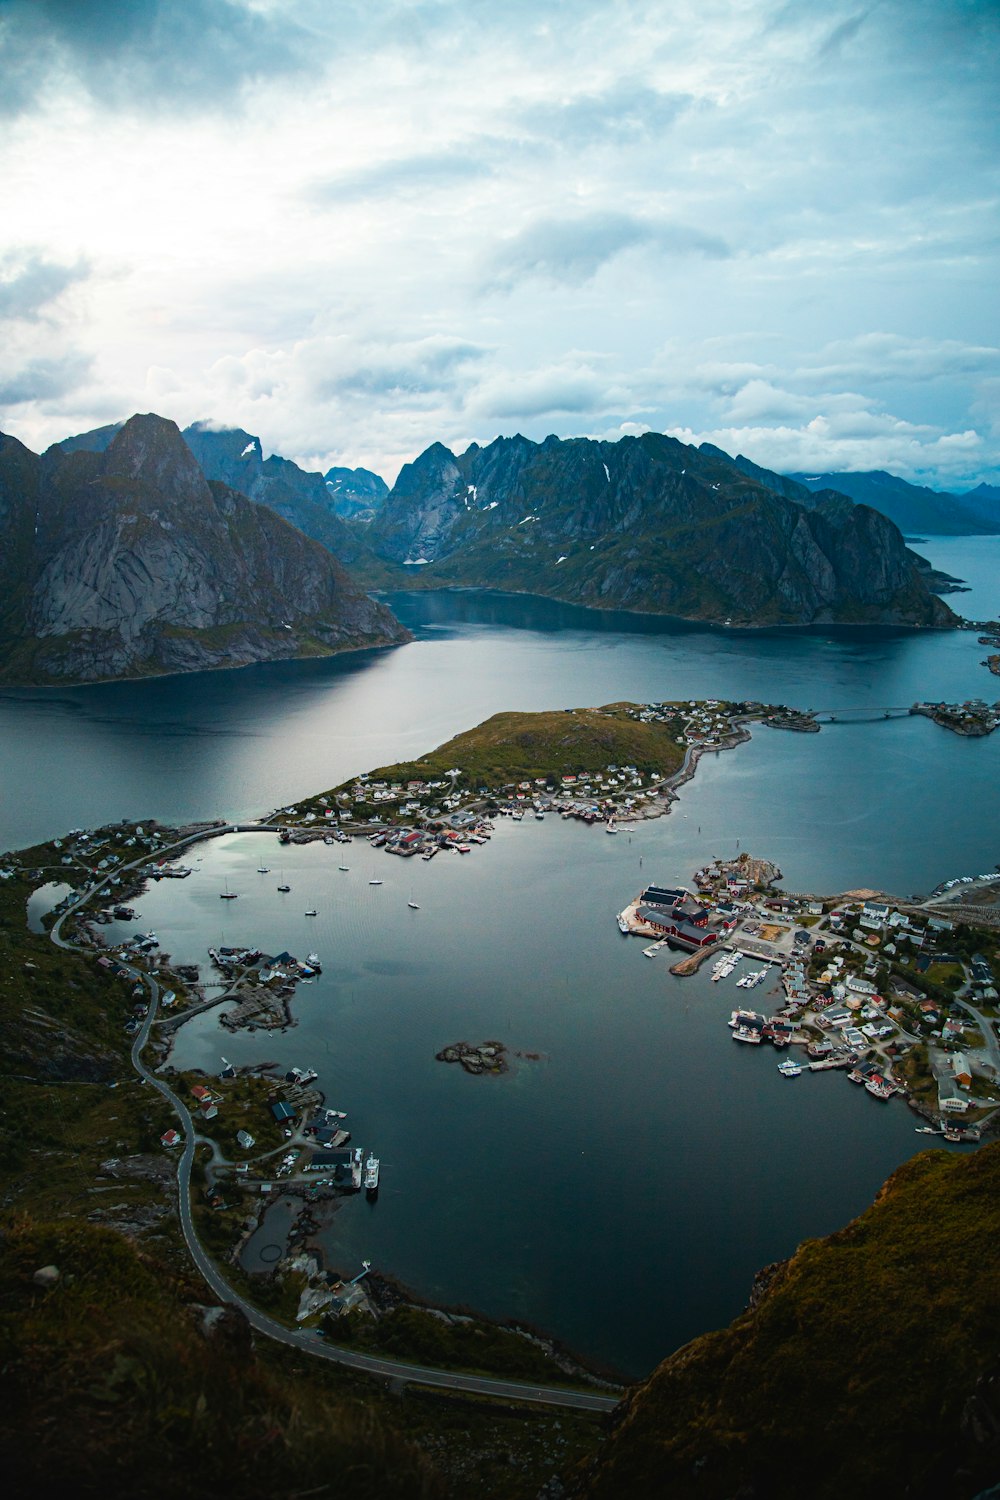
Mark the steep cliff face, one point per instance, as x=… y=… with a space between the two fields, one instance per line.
x=235 y=457
x=866 y=1365
x=137 y=564
x=648 y=524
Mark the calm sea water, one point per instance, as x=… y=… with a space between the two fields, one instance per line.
x=622 y=1190
x=234 y=744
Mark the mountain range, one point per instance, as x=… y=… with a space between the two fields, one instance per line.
x=913 y=507
x=136 y=548
x=121 y=559
x=648 y=524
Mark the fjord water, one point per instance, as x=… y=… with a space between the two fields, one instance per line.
x=236 y=744
x=621 y=1190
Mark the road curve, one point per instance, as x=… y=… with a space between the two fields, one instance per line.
x=306 y=1341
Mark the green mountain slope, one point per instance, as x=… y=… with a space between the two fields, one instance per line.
x=647 y=524
x=869 y=1366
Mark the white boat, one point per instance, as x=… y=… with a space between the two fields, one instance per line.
x=313 y=960
x=312 y=912
x=227 y=894
x=263 y=870
x=413 y=906
x=374 y=882
x=789 y=1069
x=371 y=1174
x=343 y=867
x=622 y=924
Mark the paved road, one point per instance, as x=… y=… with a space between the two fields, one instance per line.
x=986 y=1027
x=307 y=1341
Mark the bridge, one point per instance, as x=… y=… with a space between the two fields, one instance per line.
x=856 y=715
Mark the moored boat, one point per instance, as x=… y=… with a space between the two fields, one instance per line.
x=371 y=1175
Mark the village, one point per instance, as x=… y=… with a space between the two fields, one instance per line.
x=901 y=996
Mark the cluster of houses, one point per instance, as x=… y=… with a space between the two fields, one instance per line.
x=974 y=716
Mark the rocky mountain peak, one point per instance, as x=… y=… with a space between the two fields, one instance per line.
x=150 y=453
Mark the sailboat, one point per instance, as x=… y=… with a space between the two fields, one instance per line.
x=412 y=904
x=283 y=886
x=227 y=894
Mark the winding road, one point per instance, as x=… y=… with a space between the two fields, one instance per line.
x=306 y=1341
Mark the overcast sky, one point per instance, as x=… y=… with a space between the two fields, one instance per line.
x=358 y=228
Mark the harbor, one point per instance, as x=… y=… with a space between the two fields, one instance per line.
x=554 y=977
x=846 y=972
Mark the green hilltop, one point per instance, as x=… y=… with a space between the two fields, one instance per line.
x=524 y=746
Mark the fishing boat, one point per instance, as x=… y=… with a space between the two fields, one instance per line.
x=622 y=924
x=312 y=959
x=371 y=1176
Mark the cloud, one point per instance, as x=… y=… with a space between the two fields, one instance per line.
x=565 y=389
x=628 y=110
x=880 y=356
x=572 y=250
x=430 y=172
x=29 y=283
x=842 y=34
x=856 y=442
x=153 y=54
x=42 y=379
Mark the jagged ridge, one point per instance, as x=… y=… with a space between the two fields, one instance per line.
x=648 y=524
x=128 y=561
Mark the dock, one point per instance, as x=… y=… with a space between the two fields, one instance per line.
x=694 y=961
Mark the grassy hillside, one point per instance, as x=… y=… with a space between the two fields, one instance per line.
x=870 y=1367
x=522 y=746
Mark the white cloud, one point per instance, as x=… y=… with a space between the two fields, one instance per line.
x=358 y=229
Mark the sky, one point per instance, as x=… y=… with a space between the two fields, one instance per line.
x=355 y=229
